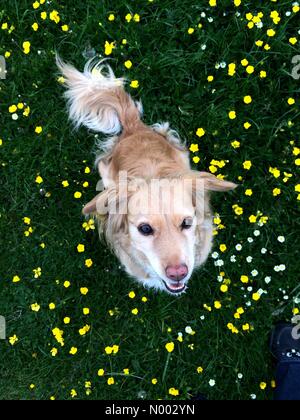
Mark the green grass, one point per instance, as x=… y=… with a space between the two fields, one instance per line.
x=172 y=71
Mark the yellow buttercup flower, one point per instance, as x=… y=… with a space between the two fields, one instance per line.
x=128 y=64
x=263 y=385
x=252 y=218
x=247 y=99
x=194 y=148
x=88 y=262
x=169 y=347
x=231 y=69
x=53 y=351
x=80 y=248
x=235 y=144
x=217 y=305
x=134 y=84
x=26 y=47
x=174 y=392
x=200 y=132
x=247 y=164
x=108 y=47
x=255 y=296
x=244 y=279
x=249 y=69
x=54 y=15
x=13 y=340
x=271 y=32
x=38 y=129
x=35 y=307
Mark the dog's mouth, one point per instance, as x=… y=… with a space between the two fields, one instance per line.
x=175 y=287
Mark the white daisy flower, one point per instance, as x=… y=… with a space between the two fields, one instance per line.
x=188 y=330
x=263 y=250
x=215 y=255
x=249 y=259
x=297 y=300
x=256 y=232
x=238 y=247
x=254 y=273
x=261 y=291
x=267 y=279
x=250 y=240
x=233 y=258
x=281 y=239
x=212 y=382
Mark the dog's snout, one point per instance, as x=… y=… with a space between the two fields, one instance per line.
x=176 y=272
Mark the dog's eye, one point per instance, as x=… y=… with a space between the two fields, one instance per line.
x=187 y=223
x=145 y=229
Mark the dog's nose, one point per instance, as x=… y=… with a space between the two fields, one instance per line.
x=176 y=272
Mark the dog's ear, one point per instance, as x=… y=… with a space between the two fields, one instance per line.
x=211 y=182
x=98 y=205
x=110 y=205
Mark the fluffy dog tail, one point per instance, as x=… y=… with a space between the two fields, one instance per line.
x=97 y=99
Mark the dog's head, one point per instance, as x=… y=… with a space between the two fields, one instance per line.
x=165 y=224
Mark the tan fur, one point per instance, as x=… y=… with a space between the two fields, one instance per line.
x=144 y=153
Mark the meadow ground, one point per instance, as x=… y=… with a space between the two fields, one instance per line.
x=224 y=76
